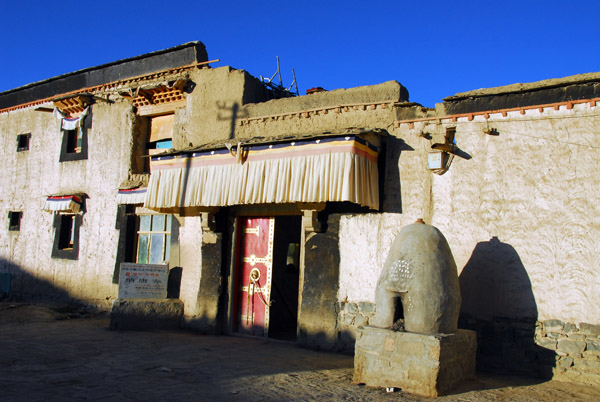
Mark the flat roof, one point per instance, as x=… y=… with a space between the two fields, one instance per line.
x=527 y=87
x=181 y=55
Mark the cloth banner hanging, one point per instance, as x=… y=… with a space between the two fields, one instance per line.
x=132 y=196
x=71 y=124
x=63 y=203
x=306 y=171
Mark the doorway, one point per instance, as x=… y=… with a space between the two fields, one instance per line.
x=267 y=277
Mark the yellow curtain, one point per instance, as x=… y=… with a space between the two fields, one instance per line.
x=330 y=169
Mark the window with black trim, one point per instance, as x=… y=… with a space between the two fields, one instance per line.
x=23 y=142
x=75 y=141
x=14 y=220
x=66 y=236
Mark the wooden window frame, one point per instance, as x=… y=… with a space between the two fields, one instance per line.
x=66 y=226
x=23 y=142
x=166 y=238
x=147 y=145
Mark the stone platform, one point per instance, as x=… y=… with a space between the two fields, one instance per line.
x=429 y=365
x=143 y=314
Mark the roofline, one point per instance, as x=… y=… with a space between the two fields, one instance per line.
x=526 y=87
x=144 y=64
x=102 y=66
x=91 y=90
x=452 y=118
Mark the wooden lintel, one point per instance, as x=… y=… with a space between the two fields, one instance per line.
x=160 y=108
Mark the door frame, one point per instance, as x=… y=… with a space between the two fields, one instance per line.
x=238 y=278
x=256 y=211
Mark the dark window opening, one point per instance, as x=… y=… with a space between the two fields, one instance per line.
x=161 y=145
x=23 y=142
x=126 y=224
x=14 y=220
x=66 y=236
x=66 y=232
x=75 y=142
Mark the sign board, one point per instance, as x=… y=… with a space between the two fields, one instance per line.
x=143 y=281
x=437 y=160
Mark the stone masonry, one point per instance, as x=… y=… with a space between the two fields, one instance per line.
x=429 y=365
x=350 y=317
x=577 y=349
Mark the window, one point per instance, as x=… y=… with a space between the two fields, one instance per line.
x=152 y=135
x=74 y=140
x=154 y=239
x=67 y=232
x=23 y=142
x=14 y=220
x=66 y=236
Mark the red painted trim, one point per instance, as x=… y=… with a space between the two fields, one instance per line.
x=454 y=117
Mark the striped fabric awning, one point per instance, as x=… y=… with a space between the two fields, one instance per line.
x=63 y=203
x=132 y=196
x=308 y=171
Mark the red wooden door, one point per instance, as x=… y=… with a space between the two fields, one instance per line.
x=254 y=275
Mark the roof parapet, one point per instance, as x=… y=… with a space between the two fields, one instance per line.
x=186 y=54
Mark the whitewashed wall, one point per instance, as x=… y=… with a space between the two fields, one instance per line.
x=30 y=176
x=526 y=202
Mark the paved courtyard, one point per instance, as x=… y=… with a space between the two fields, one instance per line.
x=47 y=356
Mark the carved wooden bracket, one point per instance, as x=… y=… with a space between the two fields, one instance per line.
x=310 y=220
x=208 y=222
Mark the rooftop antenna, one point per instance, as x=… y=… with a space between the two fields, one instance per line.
x=277 y=73
x=294 y=83
x=278 y=89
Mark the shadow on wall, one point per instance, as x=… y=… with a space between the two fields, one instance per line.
x=390 y=191
x=26 y=287
x=498 y=303
x=232 y=114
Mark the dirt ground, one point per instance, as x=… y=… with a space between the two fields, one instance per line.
x=50 y=353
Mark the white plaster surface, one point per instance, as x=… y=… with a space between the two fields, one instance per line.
x=527 y=201
x=362 y=237
x=30 y=176
x=190 y=239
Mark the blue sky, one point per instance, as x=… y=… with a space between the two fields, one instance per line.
x=434 y=48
